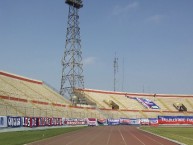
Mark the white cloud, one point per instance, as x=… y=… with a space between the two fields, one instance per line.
x=124 y=9
x=89 y=60
x=155 y=19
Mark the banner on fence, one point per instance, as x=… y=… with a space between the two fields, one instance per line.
x=33 y=122
x=102 y=121
x=14 y=121
x=56 y=121
x=26 y=121
x=41 y=121
x=144 y=121
x=113 y=121
x=124 y=121
x=153 y=121
x=59 y=122
x=63 y=121
x=75 y=121
x=135 y=121
x=92 y=122
x=3 y=121
x=175 y=120
x=49 y=121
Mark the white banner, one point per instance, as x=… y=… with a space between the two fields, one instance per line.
x=92 y=122
x=144 y=121
x=3 y=121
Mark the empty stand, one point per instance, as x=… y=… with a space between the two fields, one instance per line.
x=23 y=96
x=103 y=100
x=97 y=99
x=189 y=103
x=119 y=102
x=132 y=104
x=152 y=114
x=26 y=97
x=126 y=102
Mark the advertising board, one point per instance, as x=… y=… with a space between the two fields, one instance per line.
x=3 y=121
x=175 y=120
x=13 y=121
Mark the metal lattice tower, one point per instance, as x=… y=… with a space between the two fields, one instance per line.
x=115 y=66
x=72 y=71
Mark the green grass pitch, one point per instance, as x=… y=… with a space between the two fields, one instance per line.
x=23 y=137
x=181 y=134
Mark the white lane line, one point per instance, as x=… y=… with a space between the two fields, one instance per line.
x=150 y=138
x=174 y=141
x=122 y=136
x=136 y=137
x=79 y=137
x=153 y=139
x=95 y=136
x=109 y=136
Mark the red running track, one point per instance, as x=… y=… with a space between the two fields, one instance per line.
x=106 y=135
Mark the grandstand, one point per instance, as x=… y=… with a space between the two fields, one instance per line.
x=129 y=106
x=23 y=96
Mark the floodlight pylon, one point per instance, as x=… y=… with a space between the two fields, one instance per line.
x=72 y=71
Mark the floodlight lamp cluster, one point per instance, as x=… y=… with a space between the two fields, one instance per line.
x=75 y=3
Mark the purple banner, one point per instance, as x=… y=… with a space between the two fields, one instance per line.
x=113 y=121
x=147 y=103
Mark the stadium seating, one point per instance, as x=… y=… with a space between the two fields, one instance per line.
x=127 y=104
x=103 y=100
x=24 y=96
x=27 y=97
x=189 y=103
x=132 y=104
x=98 y=99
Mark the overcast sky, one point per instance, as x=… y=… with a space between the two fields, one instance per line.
x=153 y=40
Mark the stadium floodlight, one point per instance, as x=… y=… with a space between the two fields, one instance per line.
x=75 y=3
x=72 y=71
x=115 y=62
